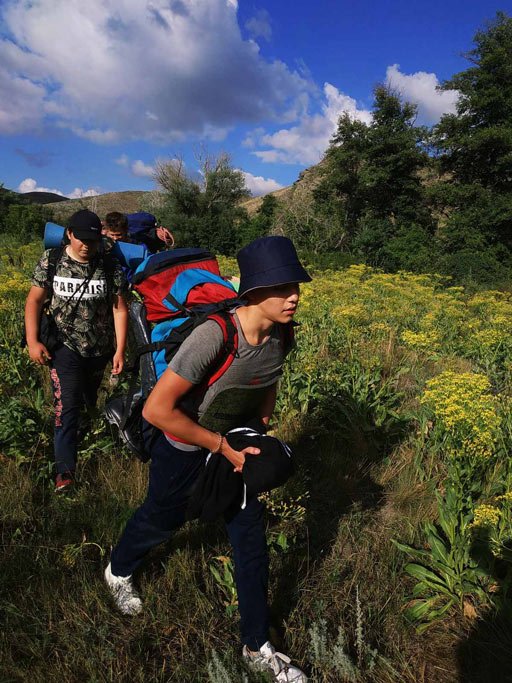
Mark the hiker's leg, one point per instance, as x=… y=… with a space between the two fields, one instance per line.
x=246 y=529
x=94 y=371
x=66 y=376
x=171 y=476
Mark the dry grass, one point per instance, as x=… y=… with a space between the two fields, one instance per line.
x=125 y=202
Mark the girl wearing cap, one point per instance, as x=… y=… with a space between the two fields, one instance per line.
x=270 y=276
x=85 y=289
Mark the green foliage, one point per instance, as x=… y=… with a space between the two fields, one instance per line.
x=20 y=219
x=447 y=573
x=372 y=188
x=203 y=214
x=477 y=141
x=225 y=578
x=26 y=222
x=342 y=190
x=412 y=248
x=20 y=424
x=400 y=197
x=474 y=146
x=261 y=224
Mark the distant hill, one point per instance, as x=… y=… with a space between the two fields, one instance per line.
x=129 y=201
x=125 y=202
x=43 y=197
x=300 y=191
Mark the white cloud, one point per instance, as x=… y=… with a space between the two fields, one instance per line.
x=259 y=185
x=259 y=25
x=306 y=142
x=154 y=70
x=123 y=160
x=78 y=192
x=100 y=137
x=140 y=168
x=21 y=104
x=30 y=185
x=420 y=88
x=137 y=167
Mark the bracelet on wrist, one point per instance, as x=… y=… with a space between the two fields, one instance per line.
x=219 y=445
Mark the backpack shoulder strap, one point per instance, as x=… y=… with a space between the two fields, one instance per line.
x=226 y=321
x=53 y=260
x=109 y=265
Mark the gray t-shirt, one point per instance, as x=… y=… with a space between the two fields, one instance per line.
x=239 y=393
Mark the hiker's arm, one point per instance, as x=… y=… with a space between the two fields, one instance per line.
x=162 y=411
x=33 y=307
x=120 y=311
x=269 y=404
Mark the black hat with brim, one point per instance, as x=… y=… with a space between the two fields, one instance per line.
x=85 y=225
x=268 y=262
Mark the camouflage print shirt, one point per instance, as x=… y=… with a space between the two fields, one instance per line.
x=90 y=329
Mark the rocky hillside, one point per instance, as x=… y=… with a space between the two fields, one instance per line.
x=125 y=202
x=299 y=192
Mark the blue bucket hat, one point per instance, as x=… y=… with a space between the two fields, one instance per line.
x=267 y=262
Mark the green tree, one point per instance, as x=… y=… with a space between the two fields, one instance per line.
x=372 y=185
x=21 y=219
x=474 y=147
x=203 y=214
x=262 y=223
x=341 y=195
x=395 y=201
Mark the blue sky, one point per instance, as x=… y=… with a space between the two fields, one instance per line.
x=93 y=94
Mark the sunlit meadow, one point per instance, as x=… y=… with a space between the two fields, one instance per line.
x=390 y=549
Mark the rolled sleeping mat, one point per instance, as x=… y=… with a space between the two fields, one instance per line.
x=53 y=235
x=130 y=255
x=142 y=333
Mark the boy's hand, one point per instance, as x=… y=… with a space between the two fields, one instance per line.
x=39 y=353
x=237 y=458
x=117 y=363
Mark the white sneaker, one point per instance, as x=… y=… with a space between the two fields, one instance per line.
x=123 y=592
x=275 y=663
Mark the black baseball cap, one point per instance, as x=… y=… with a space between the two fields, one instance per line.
x=85 y=225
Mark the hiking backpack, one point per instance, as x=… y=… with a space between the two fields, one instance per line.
x=142 y=229
x=180 y=289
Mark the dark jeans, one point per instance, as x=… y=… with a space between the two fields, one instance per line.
x=75 y=382
x=172 y=474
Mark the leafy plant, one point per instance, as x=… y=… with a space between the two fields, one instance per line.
x=447 y=573
x=225 y=578
x=20 y=428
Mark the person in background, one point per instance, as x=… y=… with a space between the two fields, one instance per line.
x=270 y=276
x=115 y=227
x=86 y=289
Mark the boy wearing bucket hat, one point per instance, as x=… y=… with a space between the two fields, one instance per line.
x=270 y=277
x=85 y=289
